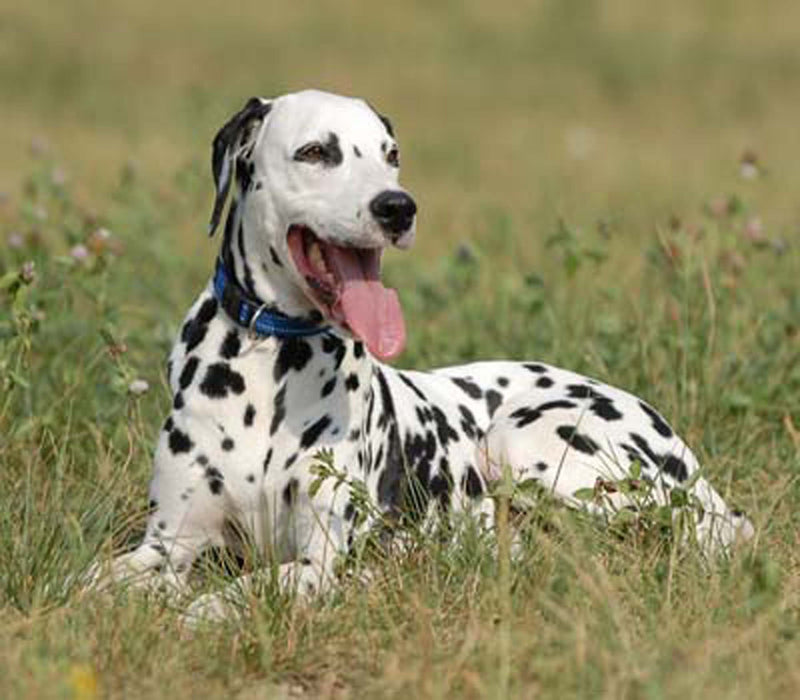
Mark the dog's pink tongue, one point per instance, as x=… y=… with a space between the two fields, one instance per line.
x=370 y=310
x=374 y=315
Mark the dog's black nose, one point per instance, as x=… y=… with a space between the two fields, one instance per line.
x=394 y=211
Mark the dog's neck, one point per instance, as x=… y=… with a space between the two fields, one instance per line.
x=254 y=265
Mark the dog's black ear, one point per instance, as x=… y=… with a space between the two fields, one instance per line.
x=229 y=141
x=384 y=120
x=386 y=123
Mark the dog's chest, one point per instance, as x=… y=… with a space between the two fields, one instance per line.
x=254 y=409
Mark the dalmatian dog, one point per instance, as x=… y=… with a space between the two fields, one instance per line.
x=282 y=356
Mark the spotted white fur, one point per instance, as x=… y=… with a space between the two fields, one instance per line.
x=249 y=416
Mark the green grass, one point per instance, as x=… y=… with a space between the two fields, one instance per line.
x=571 y=161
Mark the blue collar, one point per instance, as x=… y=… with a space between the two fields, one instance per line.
x=254 y=316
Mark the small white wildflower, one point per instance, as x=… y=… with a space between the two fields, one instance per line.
x=718 y=207
x=27 y=272
x=58 y=176
x=39 y=146
x=580 y=142
x=79 y=252
x=780 y=245
x=40 y=213
x=15 y=240
x=138 y=387
x=102 y=233
x=748 y=171
x=749 y=168
x=754 y=231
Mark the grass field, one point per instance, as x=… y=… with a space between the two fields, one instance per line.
x=610 y=187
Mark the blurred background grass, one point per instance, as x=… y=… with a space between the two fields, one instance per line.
x=538 y=109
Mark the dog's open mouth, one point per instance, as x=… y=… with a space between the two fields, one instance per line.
x=345 y=285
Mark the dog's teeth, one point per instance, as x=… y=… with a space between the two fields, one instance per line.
x=315 y=257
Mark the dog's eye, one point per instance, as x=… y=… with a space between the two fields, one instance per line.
x=393 y=157
x=311 y=153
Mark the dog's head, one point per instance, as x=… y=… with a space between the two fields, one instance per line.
x=318 y=200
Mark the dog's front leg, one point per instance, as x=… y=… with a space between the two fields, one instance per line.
x=308 y=575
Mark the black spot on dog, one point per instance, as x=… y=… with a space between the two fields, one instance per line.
x=493 y=401
x=194 y=331
x=152 y=506
x=581 y=443
x=440 y=487
x=675 y=467
x=311 y=434
x=601 y=405
x=195 y=336
x=227 y=444
x=249 y=415
x=202 y=460
x=279 y=410
x=605 y=409
x=535 y=368
x=444 y=430
x=351 y=383
x=162 y=525
x=274 y=256
x=471 y=483
x=188 y=371
x=502 y=382
x=333 y=152
x=179 y=442
x=215 y=480
x=349 y=511
x=231 y=345
x=579 y=391
x=207 y=311
x=392 y=476
x=267 y=459
x=668 y=463
x=358 y=349
x=468 y=425
x=159 y=549
x=168 y=424
x=177 y=401
x=220 y=379
x=541 y=466
x=290 y=492
x=294 y=354
x=387 y=403
x=330 y=343
x=356 y=152
x=328 y=387
x=544 y=382
x=659 y=424
x=526 y=415
x=634 y=455
x=250 y=478
x=404 y=378
x=469 y=387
